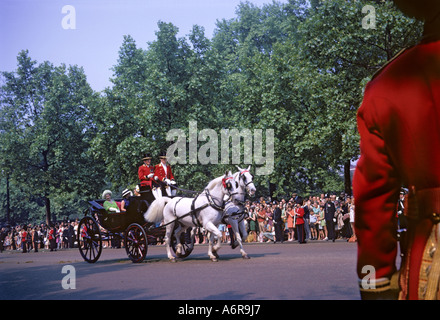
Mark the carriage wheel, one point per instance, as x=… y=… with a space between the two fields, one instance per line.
x=186 y=242
x=136 y=244
x=89 y=239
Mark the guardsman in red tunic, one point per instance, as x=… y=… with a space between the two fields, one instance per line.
x=399 y=127
x=163 y=173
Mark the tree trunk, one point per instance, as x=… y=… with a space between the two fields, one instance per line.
x=347 y=178
x=48 y=215
x=8 y=204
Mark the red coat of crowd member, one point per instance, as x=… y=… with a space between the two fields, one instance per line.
x=299 y=215
x=399 y=127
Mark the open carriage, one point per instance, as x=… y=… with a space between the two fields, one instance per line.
x=179 y=216
x=98 y=225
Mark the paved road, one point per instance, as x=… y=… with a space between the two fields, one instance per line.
x=289 y=271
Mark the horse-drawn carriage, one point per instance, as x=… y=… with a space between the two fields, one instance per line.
x=180 y=217
x=98 y=225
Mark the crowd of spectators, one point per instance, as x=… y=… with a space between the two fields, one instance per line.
x=28 y=237
x=259 y=224
x=260 y=220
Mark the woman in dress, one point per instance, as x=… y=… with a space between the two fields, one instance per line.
x=290 y=221
x=126 y=194
x=109 y=204
x=252 y=225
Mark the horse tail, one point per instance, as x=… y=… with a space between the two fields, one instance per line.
x=155 y=211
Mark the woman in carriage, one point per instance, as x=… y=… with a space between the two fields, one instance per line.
x=109 y=204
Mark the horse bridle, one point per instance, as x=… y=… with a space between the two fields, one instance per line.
x=211 y=202
x=211 y=199
x=242 y=176
x=243 y=213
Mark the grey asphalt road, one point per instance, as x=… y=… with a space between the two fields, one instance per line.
x=317 y=270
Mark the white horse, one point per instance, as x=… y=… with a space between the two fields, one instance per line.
x=204 y=210
x=235 y=216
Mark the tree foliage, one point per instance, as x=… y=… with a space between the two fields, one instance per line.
x=298 y=68
x=44 y=132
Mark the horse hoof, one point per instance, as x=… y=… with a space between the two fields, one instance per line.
x=173 y=260
x=246 y=257
x=214 y=259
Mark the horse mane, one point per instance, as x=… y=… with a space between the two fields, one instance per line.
x=214 y=183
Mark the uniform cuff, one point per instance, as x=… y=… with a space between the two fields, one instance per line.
x=380 y=289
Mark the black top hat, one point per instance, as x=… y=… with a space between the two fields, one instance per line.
x=147 y=156
x=162 y=155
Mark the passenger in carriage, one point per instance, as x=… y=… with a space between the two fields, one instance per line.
x=109 y=204
x=163 y=173
x=126 y=194
x=137 y=191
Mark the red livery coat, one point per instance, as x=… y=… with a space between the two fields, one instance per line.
x=160 y=172
x=399 y=126
x=143 y=173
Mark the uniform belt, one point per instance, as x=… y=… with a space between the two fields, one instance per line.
x=424 y=204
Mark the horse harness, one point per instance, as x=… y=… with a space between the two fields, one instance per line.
x=211 y=203
x=242 y=176
x=234 y=211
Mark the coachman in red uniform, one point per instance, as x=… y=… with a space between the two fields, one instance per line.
x=146 y=172
x=399 y=126
x=164 y=174
x=146 y=175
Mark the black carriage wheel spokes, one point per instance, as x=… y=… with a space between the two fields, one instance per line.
x=89 y=239
x=187 y=246
x=136 y=244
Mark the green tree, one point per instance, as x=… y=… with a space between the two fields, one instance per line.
x=312 y=87
x=247 y=46
x=340 y=56
x=122 y=134
x=172 y=82
x=45 y=131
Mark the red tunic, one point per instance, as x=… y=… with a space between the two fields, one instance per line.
x=160 y=172
x=299 y=215
x=399 y=126
x=143 y=173
x=51 y=234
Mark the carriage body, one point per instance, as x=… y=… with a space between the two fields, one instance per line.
x=137 y=233
x=98 y=224
x=118 y=222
